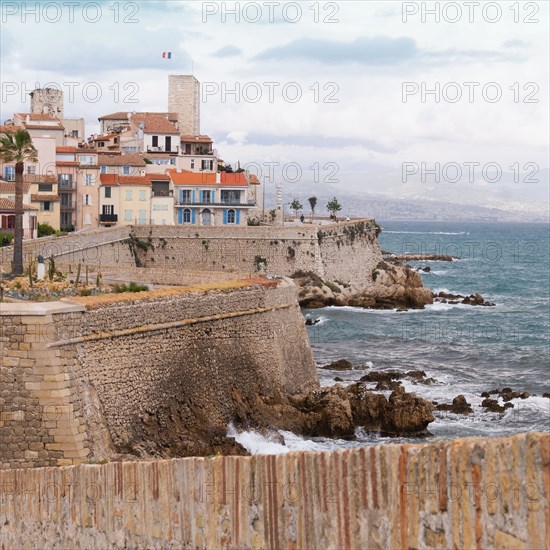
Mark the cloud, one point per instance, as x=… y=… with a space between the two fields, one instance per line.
x=379 y=50
x=227 y=51
x=515 y=44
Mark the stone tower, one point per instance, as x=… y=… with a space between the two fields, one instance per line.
x=47 y=101
x=184 y=99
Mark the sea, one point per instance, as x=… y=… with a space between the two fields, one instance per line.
x=466 y=349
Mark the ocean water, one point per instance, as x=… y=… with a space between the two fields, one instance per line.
x=466 y=349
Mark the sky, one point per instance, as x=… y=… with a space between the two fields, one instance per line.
x=434 y=100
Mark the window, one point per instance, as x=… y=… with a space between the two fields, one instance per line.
x=207 y=197
x=173 y=160
x=31 y=170
x=187 y=216
x=142 y=194
x=192 y=164
x=142 y=217
x=65 y=181
x=128 y=215
x=86 y=159
x=74 y=133
x=101 y=144
x=185 y=196
x=126 y=170
x=129 y=149
x=128 y=195
x=103 y=169
x=107 y=192
x=230 y=197
x=108 y=209
x=155 y=141
x=88 y=179
x=9 y=173
x=87 y=219
x=231 y=216
x=87 y=200
x=45 y=187
x=160 y=207
x=46 y=206
x=207 y=164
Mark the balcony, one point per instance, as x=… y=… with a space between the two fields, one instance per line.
x=108 y=218
x=174 y=150
x=216 y=203
x=198 y=153
x=67 y=206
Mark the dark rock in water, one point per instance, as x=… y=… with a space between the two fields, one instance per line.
x=485 y=394
x=415 y=374
x=381 y=376
x=385 y=386
x=525 y=395
x=461 y=406
x=429 y=381
x=491 y=405
x=546 y=395
x=473 y=300
x=338 y=379
x=310 y=322
x=426 y=269
x=341 y=364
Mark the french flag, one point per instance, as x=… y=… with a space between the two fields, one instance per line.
x=167 y=55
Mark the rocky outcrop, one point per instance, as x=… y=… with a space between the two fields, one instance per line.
x=418 y=257
x=472 y=300
x=459 y=406
x=394 y=286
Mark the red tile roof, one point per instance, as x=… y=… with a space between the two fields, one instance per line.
x=5 y=128
x=192 y=178
x=233 y=178
x=154 y=123
x=38 y=116
x=123 y=115
x=8 y=187
x=67 y=163
x=130 y=159
x=196 y=139
x=254 y=179
x=43 y=127
x=7 y=205
x=115 y=179
x=66 y=149
x=39 y=198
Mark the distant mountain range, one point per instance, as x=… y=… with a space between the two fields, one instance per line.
x=382 y=207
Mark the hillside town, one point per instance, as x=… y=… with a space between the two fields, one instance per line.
x=144 y=168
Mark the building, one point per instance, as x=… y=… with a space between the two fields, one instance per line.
x=124 y=165
x=41 y=126
x=184 y=99
x=45 y=198
x=136 y=200
x=7 y=210
x=220 y=198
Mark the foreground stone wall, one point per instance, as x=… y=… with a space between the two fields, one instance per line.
x=122 y=373
x=471 y=493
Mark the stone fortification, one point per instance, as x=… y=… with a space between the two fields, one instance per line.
x=130 y=373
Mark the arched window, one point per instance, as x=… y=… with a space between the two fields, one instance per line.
x=187 y=216
x=231 y=216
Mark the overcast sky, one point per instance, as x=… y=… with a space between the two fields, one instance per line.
x=350 y=61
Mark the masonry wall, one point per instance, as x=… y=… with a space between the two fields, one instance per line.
x=470 y=493
x=116 y=374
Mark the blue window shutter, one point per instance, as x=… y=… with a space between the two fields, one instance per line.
x=181 y=196
x=193 y=212
x=193 y=196
x=237 y=217
x=180 y=215
x=201 y=195
x=213 y=196
x=225 y=216
x=6 y=173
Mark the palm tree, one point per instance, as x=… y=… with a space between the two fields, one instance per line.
x=17 y=147
x=312 y=204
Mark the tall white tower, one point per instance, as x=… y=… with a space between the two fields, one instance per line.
x=184 y=99
x=47 y=101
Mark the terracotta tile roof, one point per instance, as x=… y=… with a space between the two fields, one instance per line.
x=67 y=163
x=39 y=178
x=43 y=127
x=233 y=178
x=192 y=178
x=8 y=187
x=157 y=177
x=154 y=123
x=5 y=128
x=196 y=139
x=6 y=204
x=38 y=116
x=123 y=115
x=131 y=159
x=105 y=137
x=66 y=149
x=39 y=198
x=115 y=179
x=254 y=179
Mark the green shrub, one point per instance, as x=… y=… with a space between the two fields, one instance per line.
x=335 y=288
x=45 y=230
x=131 y=287
x=7 y=236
